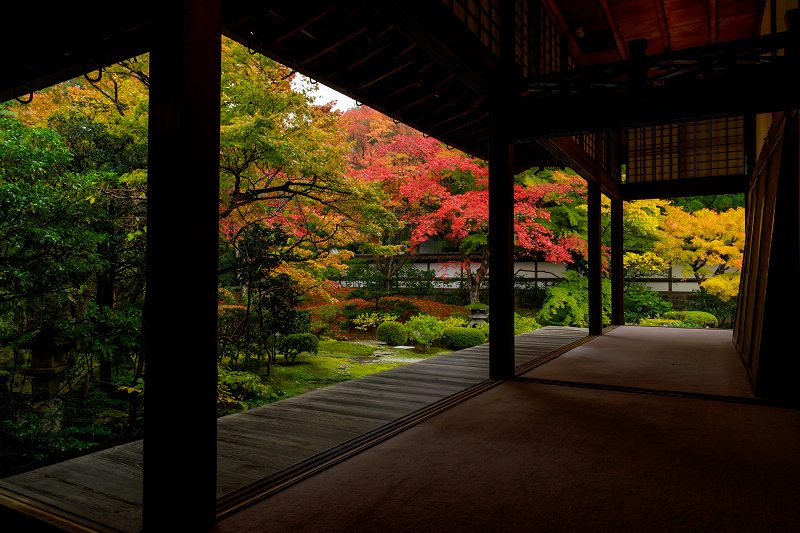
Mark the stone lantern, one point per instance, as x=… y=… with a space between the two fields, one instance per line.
x=479 y=314
x=47 y=361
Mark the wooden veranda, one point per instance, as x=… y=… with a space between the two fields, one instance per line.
x=695 y=97
x=266 y=449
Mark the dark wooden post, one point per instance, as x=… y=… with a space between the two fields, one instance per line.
x=617 y=306
x=501 y=207
x=595 y=260
x=183 y=189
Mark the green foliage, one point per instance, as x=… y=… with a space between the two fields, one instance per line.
x=664 y=322
x=718 y=202
x=697 y=319
x=297 y=343
x=476 y=305
x=370 y=321
x=33 y=435
x=483 y=328
x=238 y=390
x=425 y=329
x=461 y=338
x=374 y=285
x=415 y=281
x=641 y=303
x=523 y=324
x=567 y=304
x=710 y=303
x=392 y=333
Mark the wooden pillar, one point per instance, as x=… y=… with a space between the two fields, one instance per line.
x=501 y=208
x=617 y=305
x=595 y=260
x=183 y=190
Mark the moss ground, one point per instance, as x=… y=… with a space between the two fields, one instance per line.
x=339 y=361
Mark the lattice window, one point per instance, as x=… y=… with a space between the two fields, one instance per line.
x=550 y=45
x=482 y=17
x=614 y=169
x=714 y=147
x=524 y=48
x=590 y=144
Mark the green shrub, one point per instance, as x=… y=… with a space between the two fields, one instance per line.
x=392 y=333
x=567 y=304
x=710 y=303
x=697 y=319
x=641 y=303
x=297 y=343
x=662 y=322
x=475 y=306
x=460 y=338
x=370 y=321
x=483 y=328
x=242 y=390
x=425 y=329
x=523 y=324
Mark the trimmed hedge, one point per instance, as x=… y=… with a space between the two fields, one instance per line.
x=460 y=338
x=392 y=333
x=699 y=319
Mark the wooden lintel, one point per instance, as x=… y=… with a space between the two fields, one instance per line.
x=732 y=184
x=612 y=22
x=760 y=89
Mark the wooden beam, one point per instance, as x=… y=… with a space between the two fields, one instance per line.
x=183 y=220
x=761 y=88
x=617 y=302
x=622 y=45
x=595 y=259
x=663 y=27
x=734 y=184
x=501 y=205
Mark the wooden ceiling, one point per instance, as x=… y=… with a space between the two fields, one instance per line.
x=413 y=60
x=602 y=28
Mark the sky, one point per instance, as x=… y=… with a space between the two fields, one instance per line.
x=325 y=95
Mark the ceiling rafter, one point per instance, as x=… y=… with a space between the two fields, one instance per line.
x=712 y=21
x=296 y=27
x=622 y=45
x=663 y=27
x=348 y=64
x=374 y=78
x=333 y=45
